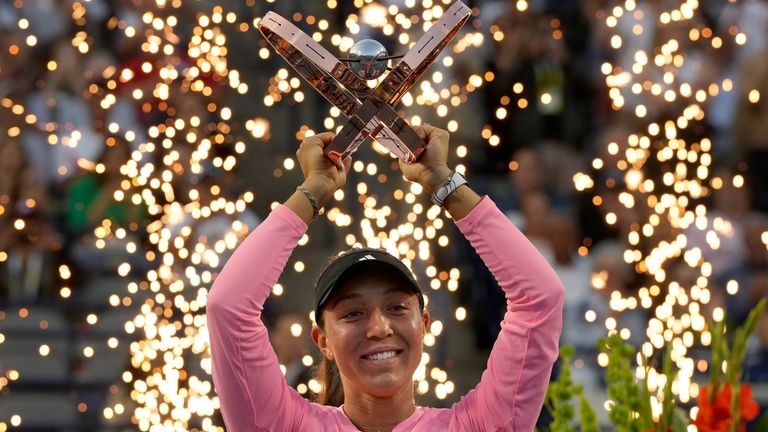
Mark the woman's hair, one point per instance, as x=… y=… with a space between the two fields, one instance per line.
x=331 y=389
x=327 y=373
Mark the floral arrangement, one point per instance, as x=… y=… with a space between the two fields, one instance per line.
x=725 y=404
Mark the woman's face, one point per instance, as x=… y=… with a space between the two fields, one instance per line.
x=373 y=330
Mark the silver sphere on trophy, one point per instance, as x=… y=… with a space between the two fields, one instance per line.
x=368 y=59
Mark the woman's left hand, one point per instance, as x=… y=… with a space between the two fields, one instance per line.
x=431 y=169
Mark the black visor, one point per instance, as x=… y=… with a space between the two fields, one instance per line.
x=331 y=275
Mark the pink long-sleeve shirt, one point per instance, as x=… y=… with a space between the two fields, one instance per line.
x=251 y=387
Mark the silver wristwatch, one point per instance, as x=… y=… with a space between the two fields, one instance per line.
x=447 y=187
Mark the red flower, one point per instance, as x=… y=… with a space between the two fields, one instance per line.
x=717 y=417
x=749 y=408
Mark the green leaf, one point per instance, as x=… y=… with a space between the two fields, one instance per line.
x=645 y=410
x=735 y=412
x=680 y=420
x=667 y=405
x=560 y=393
x=589 y=422
x=739 y=349
x=567 y=351
x=717 y=358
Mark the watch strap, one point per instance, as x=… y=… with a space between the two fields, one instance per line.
x=447 y=188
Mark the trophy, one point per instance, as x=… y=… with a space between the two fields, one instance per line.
x=342 y=81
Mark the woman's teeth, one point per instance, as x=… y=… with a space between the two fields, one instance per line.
x=381 y=355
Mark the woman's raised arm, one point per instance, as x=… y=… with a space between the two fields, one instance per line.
x=246 y=373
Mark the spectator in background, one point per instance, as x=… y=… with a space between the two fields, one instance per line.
x=575 y=271
x=528 y=66
x=12 y=78
x=220 y=226
x=536 y=210
x=755 y=225
x=757 y=287
x=750 y=17
x=727 y=252
x=91 y=203
x=289 y=338
x=26 y=233
x=539 y=169
x=58 y=100
x=751 y=126
x=613 y=278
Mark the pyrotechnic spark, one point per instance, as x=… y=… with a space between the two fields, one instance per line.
x=665 y=166
x=175 y=76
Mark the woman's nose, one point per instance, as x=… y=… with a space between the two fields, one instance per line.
x=379 y=325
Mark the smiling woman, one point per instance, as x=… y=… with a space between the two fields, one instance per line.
x=371 y=325
x=371 y=320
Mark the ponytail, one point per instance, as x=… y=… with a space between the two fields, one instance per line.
x=331 y=389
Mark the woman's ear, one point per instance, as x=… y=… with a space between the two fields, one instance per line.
x=319 y=338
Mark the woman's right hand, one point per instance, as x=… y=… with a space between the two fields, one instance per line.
x=431 y=169
x=321 y=176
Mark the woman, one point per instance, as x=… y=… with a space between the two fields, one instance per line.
x=371 y=321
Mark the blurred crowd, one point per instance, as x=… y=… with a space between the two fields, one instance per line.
x=62 y=187
x=60 y=175
x=553 y=58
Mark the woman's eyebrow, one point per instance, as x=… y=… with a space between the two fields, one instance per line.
x=398 y=289
x=348 y=296
x=355 y=295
